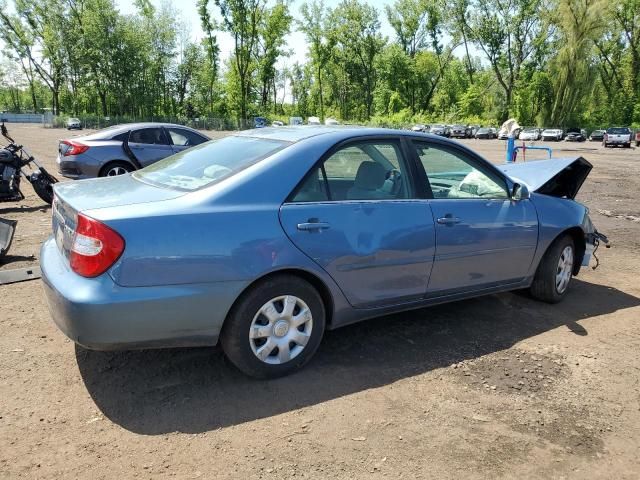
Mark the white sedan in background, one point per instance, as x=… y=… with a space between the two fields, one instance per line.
x=554 y=134
x=530 y=134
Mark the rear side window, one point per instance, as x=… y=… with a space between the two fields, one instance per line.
x=184 y=138
x=209 y=162
x=121 y=137
x=360 y=171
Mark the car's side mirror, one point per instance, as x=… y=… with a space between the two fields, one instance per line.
x=519 y=192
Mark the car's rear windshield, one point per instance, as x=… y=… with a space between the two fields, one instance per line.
x=209 y=163
x=618 y=131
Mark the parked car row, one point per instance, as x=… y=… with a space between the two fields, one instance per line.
x=611 y=137
x=262 y=122
x=448 y=131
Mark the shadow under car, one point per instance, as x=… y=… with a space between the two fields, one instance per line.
x=196 y=390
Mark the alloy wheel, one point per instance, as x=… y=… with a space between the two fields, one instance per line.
x=115 y=171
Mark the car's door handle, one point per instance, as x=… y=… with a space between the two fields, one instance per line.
x=448 y=219
x=311 y=226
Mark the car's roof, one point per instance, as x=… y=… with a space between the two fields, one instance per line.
x=298 y=133
x=110 y=132
x=337 y=133
x=129 y=126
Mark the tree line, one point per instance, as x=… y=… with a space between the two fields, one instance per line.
x=544 y=62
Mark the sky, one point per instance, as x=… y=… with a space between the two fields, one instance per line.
x=296 y=40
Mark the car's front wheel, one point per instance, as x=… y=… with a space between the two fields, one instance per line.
x=275 y=327
x=555 y=271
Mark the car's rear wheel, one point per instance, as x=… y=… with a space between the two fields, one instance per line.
x=275 y=327
x=555 y=271
x=113 y=169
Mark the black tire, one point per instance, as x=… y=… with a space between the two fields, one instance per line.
x=544 y=283
x=234 y=338
x=627 y=145
x=110 y=167
x=43 y=186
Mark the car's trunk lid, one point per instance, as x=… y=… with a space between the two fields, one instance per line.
x=557 y=177
x=74 y=197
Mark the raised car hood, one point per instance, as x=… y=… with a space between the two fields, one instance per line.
x=557 y=177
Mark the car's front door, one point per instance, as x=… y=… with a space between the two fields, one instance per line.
x=357 y=217
x=149 y=145
x=483 y=238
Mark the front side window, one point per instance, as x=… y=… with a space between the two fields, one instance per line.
x=360 y=171
x=209 y=162
x=451 y=175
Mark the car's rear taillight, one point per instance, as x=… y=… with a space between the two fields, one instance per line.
x=73 y=148
x=95 y=247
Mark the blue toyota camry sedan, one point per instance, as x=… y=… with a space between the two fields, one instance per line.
x=264 y=239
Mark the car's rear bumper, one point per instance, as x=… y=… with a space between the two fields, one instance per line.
x=78 y=167
x=101 y=315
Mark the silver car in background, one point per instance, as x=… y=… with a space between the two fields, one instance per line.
x=74 y=124
x=123 y=148
x=552 y=134
x=530 y=134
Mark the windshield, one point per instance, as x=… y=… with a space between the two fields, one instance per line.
x=209 y=163
x=618 y=131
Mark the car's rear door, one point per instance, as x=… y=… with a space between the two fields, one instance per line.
x=483 y=238
x=149 y=145
x=357 y=216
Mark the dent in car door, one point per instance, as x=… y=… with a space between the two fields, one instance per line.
x=377 y=252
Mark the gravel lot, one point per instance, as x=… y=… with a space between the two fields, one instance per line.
x=496 y=387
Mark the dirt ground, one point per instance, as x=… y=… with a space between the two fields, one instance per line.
x=496 y=387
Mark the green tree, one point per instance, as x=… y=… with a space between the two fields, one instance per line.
x=275 y=25
x=314 y=25
x=241 y=18
x=355 y=29
x=508 y=34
